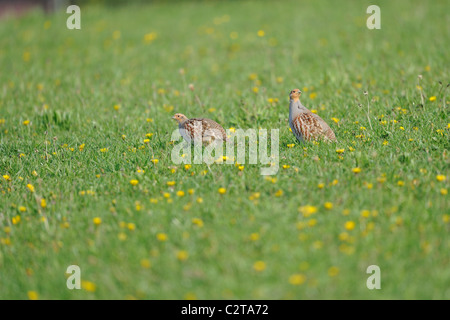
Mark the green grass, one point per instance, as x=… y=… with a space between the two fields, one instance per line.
x=67 y=82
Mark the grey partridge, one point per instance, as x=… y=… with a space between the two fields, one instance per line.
x=306 y=125
x=202 y=130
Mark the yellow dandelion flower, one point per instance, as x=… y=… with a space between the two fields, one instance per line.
x=291 y=145
x=180 y=193
x=441 y=178
x=26 y=122
x=161 y=237
x=222 y=190
x=321 y=185
x=356 y=170
x=7 y=177
x=349 y=225
x=279 y=193
x=171 y=183
x=259 y=266
x=400 y=183
x=335 y=119
x=297 y=279
x=444 y=191
x=199 y=200
x=97 y=221
x=339 y=151
x=131 y=226
x=43 y=203
x=255 y=89
x=433 y=98
x=307 y=210
x=198 y=222
x=33 y=295
x=313 y=95
x=261 y=33
x=182 y=255
x=30 y=187
x=328 y=205
x=145 y=263
x=365 y=213
x=333 y=271
x=88 y=286
x=22 y=209
x=155 y=161
x=134 y=182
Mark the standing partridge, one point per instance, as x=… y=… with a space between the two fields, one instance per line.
x=202 y=130
x=306 y=125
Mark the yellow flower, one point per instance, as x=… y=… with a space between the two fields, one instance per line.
x=340 y=151
x=30 y=187
x=307 y=210
x=161 y=237
x=15 y=220
x=116 y=107
x=356 y=170
x=297 y=279
x=444 y=191
x=171 y=183
x=313 y=95
x=441 y=178
x=134 y=182
x=255 y=89
x=187 y=166
x=286 y=166
x=145 y=263
x=97 y=221
x=279 y=193
x=328 y=205
x=335 y=120
x=241 y=168
x=180 y=193
x=254 y=236
x=103 y=150
x=43 y=203
x=321 y=185
x=259 y=266
x=261 y=33
x=6 y=177
x=279 y=79
x=433 y=98
x=365 y=213
x=22 y=209
x=222 y=190
x=291 y=145
x=131 y=226
x=155 y=161
x=33 y=295
x=349 y=225
x=333 y=271
x=199 y=200
x=88 y=286
x=182 y=255
x=198 y=222
x=400 y=183
x=26 y=122
x=81 y=147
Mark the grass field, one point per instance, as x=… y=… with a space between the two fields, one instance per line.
x=85 y=112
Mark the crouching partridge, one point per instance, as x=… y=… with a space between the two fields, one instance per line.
x=203 y=130
x=306 y=125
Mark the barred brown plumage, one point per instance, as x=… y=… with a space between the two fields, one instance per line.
x=202 y=130
x=306 y=125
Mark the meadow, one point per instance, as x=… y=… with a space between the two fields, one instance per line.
x=86 y=176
